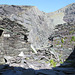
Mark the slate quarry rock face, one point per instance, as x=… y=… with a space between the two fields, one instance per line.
x=12 y=36
x=70 y=14
x=40 y=24
x=22 y=24
x=50 y=35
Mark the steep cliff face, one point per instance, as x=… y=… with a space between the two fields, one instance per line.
x=70 y=14
x=31 y=18
x=40 y=24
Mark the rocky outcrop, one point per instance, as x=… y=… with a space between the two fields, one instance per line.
x=21 y=26
x=40 y=24
x=31 y=18
x=50 y=35
x=70 y=14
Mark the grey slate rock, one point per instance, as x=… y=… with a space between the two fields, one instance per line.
x=45 y=72
x=9 y=72
x=29 y=72
x=66 y=70
x=60 y=73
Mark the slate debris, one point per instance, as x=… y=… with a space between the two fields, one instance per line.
x=66 y=68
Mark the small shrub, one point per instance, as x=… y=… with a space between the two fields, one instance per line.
x=61 y=62
x=53 y=63
x=62 y=40
x=60 y=59
x=73 y=38
x=60 y=56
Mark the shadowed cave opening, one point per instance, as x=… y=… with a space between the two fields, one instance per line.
x=1 y=31
x=25 y=38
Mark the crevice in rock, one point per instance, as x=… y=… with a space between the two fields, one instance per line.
x=1 y=31
x=25 y=38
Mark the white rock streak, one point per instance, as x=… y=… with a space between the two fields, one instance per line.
x=21 y=54
x=33 y=49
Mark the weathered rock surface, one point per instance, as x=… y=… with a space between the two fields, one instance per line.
x=15 y=24
x=40 y=24
x=46 y=39
x=67 y=68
